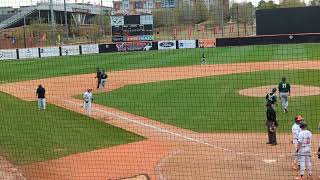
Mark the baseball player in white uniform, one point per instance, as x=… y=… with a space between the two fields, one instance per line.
x=87 y=101
x=304 y=150
x=295 y=135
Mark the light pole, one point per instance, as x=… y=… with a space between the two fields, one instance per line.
x=53 y=24
x=66 y=30
x=222 y=18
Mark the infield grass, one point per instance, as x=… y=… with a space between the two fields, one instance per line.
x=61 y=66
x=213 y=104
x=28 y=135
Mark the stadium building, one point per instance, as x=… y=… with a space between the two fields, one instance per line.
x=77 y=13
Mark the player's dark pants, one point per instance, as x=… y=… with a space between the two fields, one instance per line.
x=99 y=82
x=271 y=135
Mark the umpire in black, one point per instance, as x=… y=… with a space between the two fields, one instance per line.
x=271 y=124
x=98 y=77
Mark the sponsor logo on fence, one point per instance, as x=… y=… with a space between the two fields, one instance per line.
x=167 y=44
x=70 y=50
x=206 y=43
x=134 y=46
x=49 y=52
x=90 y=48
x=28 y=53
x=146 y=38
x=187 y=44
x=8 y=54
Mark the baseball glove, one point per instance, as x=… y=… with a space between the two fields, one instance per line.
x=272 y=128
x=319 y=153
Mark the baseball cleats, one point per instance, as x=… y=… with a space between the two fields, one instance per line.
x=299 y=178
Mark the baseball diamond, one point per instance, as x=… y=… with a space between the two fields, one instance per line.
x=159 y=115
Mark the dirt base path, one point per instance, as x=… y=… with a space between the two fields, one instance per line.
x=170 y=152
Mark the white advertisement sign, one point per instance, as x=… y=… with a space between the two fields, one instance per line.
x=49 y=51
x=146 y=19
x=8 y=54
x=90 y=48
x=186 y=44
x=28 y=53
x=117 y=20
x=167 y=45
x=70 y=50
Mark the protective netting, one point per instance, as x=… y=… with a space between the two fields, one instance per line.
x=159 y=89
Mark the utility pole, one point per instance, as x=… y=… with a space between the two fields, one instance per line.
x=101 y=20
x=66 y=29
x=238 y=20
x=222 y=18
x=53 y=23
x=24 y=33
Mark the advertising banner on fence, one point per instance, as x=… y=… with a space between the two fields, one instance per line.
x=187 y=44
x=107 y=48
x=206 y=43
x=134 y=46
x=28 y=53
x=8 y=54
x=90 y=48
x=49 y=52
x=70 y=50
x=167 y=44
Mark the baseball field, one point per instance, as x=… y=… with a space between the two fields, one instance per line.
x=162 y=114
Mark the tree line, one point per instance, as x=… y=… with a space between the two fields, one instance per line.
x=201 y=12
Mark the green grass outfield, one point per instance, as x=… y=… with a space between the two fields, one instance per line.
x=213 y=104
x=28 y=135
x=61 y=66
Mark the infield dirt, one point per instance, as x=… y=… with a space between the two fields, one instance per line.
x=170 y=152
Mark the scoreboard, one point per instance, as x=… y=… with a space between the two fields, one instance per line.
x=126 y=28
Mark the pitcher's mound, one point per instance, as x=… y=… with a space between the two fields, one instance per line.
x=296 y=90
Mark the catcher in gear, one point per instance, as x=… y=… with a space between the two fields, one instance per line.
x=271 y=124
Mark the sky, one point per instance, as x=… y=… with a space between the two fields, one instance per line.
x=17 y=3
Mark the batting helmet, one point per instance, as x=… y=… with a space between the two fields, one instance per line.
x=298 y=118
x=303 y=124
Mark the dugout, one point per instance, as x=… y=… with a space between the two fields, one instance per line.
x=288 y=20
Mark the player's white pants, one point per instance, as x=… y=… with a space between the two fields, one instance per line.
x=295 y=156
x=41 y=103
x=87 y=108
x=305 y=159
x=284 y=100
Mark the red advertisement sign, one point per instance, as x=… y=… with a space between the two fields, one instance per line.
x=207 y=43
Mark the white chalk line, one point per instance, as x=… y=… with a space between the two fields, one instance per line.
x=159 y=129
x=163 y=161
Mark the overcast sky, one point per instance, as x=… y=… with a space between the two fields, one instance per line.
x=17 y=3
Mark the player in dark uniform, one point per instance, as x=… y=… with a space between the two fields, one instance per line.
x=41 y=97
x=272 y=97
x=271 y=124
x=98 y=77
x=284 y=93
x=203 y=60
x=104 y=77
